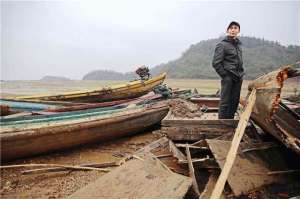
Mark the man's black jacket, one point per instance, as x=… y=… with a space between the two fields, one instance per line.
x=228 y=58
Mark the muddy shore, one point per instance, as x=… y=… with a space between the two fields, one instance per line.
x=62 y=184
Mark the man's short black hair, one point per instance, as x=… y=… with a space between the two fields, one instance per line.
x=233 y=23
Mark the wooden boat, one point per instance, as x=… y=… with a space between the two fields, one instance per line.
x=21 y=108
x=31 y=136
x=270 y=113
x=27 y=106
x=132 y=89
x=144 y=98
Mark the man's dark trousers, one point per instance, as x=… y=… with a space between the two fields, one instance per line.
x=230 y=96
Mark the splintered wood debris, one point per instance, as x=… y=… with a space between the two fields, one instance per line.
x=247 y=162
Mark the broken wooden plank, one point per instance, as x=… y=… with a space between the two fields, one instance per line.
x=194 y=133
x=250 y=169
x=176 y=152
x=162 y=142
x=260 y=146
x=210 y=186
x=54 y=165
x=272 y=116
x=191 y=146
x=172 y=161
x=196 y=160
x=137 y=179
x=200 y=143
x=282 y=172
x=164 y=156
x=231 y=155
x=199 y=121
x=59 y=169
x=192 y=171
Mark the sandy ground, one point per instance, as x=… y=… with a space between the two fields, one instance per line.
x=62 y=184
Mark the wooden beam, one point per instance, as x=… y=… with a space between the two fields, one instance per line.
x=59 y=169
x=176 y=152
x=217 y=192
x=192 y=171
x=183 y=121
x=53 y=165
x=191 y=146
x=210 y=186
x=162 y=142
x=195 y=133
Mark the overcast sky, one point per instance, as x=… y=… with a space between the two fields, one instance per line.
x=71 y=38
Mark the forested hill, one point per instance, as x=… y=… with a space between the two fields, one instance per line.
x=54 y=78
x=107 y=75
x=260 y=56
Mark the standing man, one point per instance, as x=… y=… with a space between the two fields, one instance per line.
x=228 y=63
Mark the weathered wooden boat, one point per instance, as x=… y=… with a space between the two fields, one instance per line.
x=27 y=106
x=132 y=89
x=25 y=137
x=143 y=99
x=270 y=113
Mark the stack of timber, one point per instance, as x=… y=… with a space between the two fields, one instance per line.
x=27 y=136
x=129 y=90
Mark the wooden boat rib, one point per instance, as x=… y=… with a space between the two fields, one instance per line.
x=116 y=92
x=46 y=137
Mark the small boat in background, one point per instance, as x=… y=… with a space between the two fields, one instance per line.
x=128 y=90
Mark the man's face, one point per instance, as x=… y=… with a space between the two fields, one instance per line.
x=233 y=31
